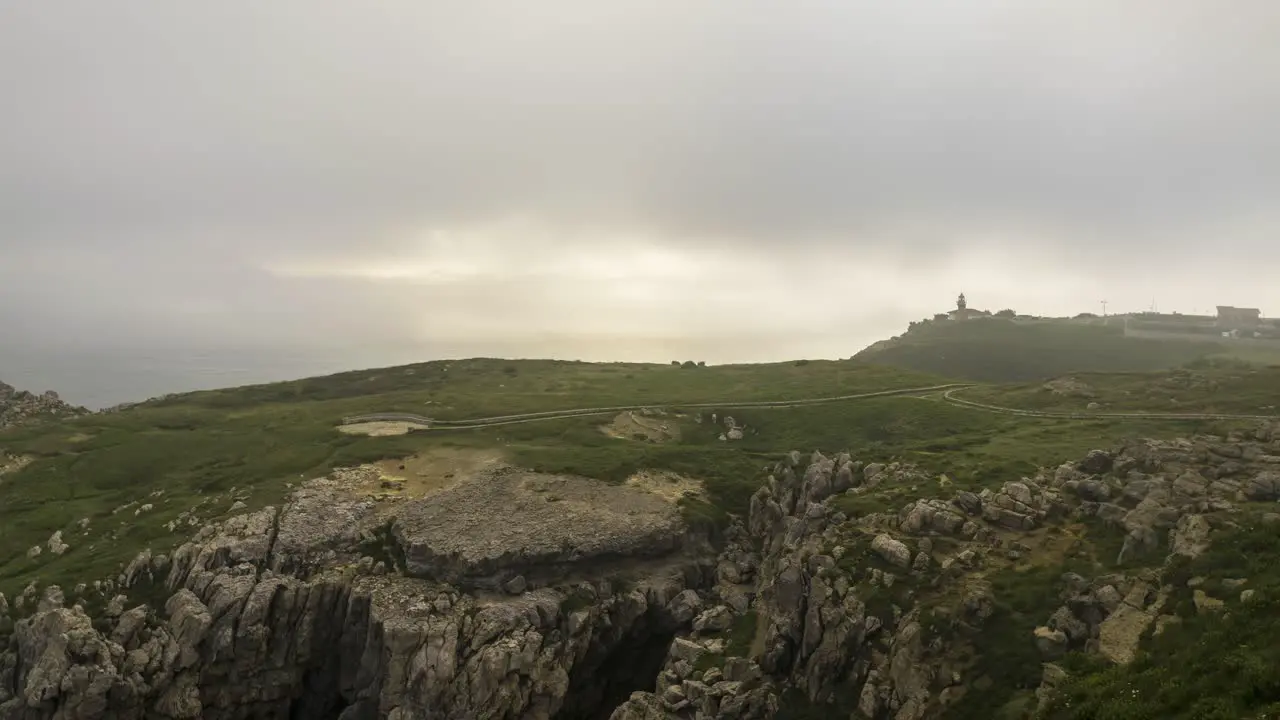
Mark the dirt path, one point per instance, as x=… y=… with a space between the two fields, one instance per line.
x=589 y=412
x=947 y=394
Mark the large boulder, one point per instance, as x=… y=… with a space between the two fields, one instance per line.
x=1190 y=536
x=1097 y=462
x=930 y=516
x=1018 y=505
x=1120 y=633
x=1264 y=487
x=1051 y=643
x=891 y=551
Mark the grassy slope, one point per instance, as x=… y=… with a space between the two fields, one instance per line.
x=484 y=387
x=253 y=440
x=999 y=350
x=256 y=439
x=1225 y=388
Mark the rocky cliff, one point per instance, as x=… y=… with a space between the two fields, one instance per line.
x=518 y=595
x=18 y=407
x=328 y=608
x=878 y=616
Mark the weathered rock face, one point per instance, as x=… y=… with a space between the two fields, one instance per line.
x=1019 y=505
x=815 y=633
x=338 y=607
x=516 y=523
x=376 y=648
x=824 y=632
x=278 y=614
x=19 y=407
x=1162 y=492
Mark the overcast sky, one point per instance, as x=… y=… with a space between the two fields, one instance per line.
x=632 y=179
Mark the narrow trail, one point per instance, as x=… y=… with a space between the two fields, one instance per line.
x=589 y=412
x=947 y=395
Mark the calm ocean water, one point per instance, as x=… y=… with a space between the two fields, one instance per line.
x=101 y=377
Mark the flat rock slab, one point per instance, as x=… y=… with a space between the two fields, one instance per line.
x=506 y=522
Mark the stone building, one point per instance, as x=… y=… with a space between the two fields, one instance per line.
x=1234 y=317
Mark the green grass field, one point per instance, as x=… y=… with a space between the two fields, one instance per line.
x=1205 y=387
x=462 y=389
x=248 y=443
x=1000 y=350
x=210 y=449
x=254 y=440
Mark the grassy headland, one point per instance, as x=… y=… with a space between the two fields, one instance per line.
x=992 y=349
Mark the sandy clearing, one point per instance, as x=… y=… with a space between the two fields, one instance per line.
x=380 y=429
x=632 y=425
x=667 y=485
x=433 y=470
x=12 y=464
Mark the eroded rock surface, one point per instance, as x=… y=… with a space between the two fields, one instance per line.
x=517 y=595
x=510 y=522
x=283 y=613
x=20 y=407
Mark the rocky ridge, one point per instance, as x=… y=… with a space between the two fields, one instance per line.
x=307 y=611
x=318 y=609
x=20 y=407
x=871 y=617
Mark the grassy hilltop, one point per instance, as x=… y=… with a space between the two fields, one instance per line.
x=146 y=476
x=993 y=349
x=247 y=444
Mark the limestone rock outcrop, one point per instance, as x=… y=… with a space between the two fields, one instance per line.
x=515 y=594
x=20 y=407
x=518 y=523
x=280 y=613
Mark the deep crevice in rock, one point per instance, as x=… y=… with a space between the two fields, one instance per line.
x=599 y=685
x=321 y=698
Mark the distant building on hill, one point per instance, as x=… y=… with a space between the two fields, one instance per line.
x=964 y=312
x=1234 y=318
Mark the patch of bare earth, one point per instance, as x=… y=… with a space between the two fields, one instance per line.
x=425 y=473
x=646 y=426
x=380 y=429
x=667 y=485
x=12 y=464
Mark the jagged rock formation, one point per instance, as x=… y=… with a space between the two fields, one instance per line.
x=339 y=606
x=817 y=587
x=281 y=613
x=822 y=630
x=20 y=407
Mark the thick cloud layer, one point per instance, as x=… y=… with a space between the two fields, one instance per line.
x=623 y=179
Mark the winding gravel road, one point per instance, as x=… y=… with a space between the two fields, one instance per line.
x=947 y=395
x=588 y=412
